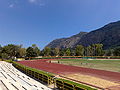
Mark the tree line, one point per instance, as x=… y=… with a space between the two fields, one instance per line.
x=12 y=51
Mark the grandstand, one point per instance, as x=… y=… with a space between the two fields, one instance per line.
x=13 y=79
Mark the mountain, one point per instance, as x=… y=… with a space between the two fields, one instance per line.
x=109 y=36
x=66 y=42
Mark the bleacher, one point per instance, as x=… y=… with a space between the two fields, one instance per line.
x=13 y=79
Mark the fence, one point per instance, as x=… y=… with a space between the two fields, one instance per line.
x=81 y=57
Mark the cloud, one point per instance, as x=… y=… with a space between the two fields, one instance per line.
x=14 y=3
x=33 y=1
x=11 y=5
x=37 y=2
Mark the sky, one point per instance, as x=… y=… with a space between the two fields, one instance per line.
x=39 y=22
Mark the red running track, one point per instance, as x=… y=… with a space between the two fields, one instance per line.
x=65 y=69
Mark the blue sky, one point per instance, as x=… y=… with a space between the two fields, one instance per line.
x=39 y=22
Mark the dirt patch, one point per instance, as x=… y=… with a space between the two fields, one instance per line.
x=93 y=80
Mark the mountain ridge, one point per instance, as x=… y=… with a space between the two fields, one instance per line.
x=108 y=35
x=66 y=42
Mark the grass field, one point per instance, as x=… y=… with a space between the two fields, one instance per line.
x=109 y=65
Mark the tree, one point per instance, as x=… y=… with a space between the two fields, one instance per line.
x=109 y=52
x=30 y=52
x=116 y=51
x=72 y=52
x=52 y=52
x=36 y=49
x=99 y=50
x=62 y=52
x=0 y=51
x=11 y=50
x=79 y=51
x=68 y=52
x=95 y=50
x=22 y=52
x=57 y=51
x=4 y=56
x=90 y=51
x=47 y=51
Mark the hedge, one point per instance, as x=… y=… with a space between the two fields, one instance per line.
x=33 y=69
x=80 y=86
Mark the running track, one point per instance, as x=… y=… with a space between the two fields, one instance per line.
x=65 y=69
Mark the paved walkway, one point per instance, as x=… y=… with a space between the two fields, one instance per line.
x=13 y=79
